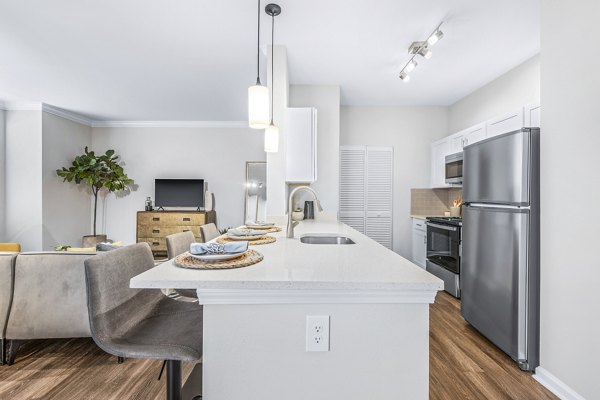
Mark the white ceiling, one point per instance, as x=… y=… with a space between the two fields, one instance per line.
x=193 y=59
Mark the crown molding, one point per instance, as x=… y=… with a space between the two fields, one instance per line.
x=81 y=119
x=169 y=124
x=71 y=116
x=21 y=106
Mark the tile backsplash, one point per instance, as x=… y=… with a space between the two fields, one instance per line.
x=432 y=201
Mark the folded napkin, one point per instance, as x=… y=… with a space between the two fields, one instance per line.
x=259 y=223
x=244 y=232
x=218 y=248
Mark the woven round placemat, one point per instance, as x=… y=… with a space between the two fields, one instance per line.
x=250 y=257
x=269 y=230
x=264 y=240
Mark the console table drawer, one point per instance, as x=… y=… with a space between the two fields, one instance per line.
x=155 y=231
x=156 y=244
x=171 y=218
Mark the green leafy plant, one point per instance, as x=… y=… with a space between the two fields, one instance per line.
x=224 y=231
x=99 y=172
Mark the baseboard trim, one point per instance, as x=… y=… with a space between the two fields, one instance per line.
x=555 y=385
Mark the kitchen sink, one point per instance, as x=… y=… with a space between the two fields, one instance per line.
x=325 y=239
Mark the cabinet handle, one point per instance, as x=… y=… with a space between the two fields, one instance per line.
x=424 y=239
x=186 y=230
x=155 y=243
x=186 y=219
x=155 y=230
x=156 y=219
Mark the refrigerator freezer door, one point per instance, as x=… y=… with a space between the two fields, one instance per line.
x=496 y=170
x=494 y=276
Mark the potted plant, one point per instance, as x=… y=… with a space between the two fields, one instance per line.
x=99 y=172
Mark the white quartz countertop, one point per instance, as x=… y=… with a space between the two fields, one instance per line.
x=290 y=264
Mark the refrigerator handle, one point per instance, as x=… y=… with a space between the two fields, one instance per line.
x=523 y=300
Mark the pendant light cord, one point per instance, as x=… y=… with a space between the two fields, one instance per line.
x=258 y=48
x=272 y=63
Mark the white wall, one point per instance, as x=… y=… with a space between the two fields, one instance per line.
x=410 y=131
x=570 y=324
x=66 y=206
x=24 y=179
x=217 y=155
x=510 y=91
x=326 y=99
x=2 y=175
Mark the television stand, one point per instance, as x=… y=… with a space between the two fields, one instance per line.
x=154 y=226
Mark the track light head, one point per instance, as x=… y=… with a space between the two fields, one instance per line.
x=435 y=37
x=404 y=76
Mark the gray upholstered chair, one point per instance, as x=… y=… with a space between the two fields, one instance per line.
x=179 y=243
x=7 y=282
x=140 y=323
x=209 y=232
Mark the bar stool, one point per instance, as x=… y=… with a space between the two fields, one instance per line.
x=140 y=323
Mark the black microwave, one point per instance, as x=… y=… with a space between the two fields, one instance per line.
x=454 y=168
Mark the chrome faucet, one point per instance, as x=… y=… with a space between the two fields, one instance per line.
x=292 y=224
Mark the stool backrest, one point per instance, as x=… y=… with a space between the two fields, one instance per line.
x=209 y=232
x=113 y=306
x=178 y=243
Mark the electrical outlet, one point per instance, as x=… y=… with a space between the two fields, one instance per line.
x=317 y=333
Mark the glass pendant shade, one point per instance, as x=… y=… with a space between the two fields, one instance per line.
x=258 y=107
x=272 y=139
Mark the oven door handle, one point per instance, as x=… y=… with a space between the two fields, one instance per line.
x=444 y=227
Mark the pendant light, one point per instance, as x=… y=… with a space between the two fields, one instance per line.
x=272 y=131
x=258 y=95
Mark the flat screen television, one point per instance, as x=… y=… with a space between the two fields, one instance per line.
x=179 y=193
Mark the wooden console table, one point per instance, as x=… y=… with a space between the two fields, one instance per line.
x=154 y=226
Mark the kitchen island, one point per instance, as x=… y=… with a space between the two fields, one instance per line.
x=255 y=320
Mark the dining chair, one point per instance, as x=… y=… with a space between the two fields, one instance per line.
x=140 y=323
x=209 y=232
x=179 y=243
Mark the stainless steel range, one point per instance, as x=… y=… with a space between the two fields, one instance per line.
x=444 y=251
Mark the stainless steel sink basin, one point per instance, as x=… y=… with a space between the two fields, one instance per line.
x=314 y=239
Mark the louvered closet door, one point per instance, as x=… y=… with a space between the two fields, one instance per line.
x=352 y=186
x=379 y=196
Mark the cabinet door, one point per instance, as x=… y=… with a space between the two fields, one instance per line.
x=353 y=162
x=533 y=115
x=301 y=145
x=457 y=142
x=507 y=123
x=379 y=183
x=439 y=151
x=474 y=134
x=419 y=242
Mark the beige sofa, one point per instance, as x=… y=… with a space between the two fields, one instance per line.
x=48 y=298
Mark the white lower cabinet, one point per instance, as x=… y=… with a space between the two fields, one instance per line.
x=419 y=242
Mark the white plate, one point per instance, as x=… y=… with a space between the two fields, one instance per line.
x=250 y=226
x=253 y=237
x=217 y=257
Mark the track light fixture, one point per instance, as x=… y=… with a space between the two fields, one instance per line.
x=422 y=49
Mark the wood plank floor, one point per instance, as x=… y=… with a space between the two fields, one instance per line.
x=463 y=365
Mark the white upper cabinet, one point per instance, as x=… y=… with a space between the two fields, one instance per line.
x=439 y=151
x=301 y=145
x=533 y=115
x=506 y=123
x=474 y=134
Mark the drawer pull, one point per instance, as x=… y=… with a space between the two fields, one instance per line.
x=156 y=219
x=186 y=230
x=187 y=219
x=155 y=243
x=155 y=230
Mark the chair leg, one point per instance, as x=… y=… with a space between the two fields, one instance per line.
x=162 y=369
x=173 y=380
x=120 y=360
x=12 y=350
x=3 y=358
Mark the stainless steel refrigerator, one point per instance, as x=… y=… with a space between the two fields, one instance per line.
x=500 y=242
